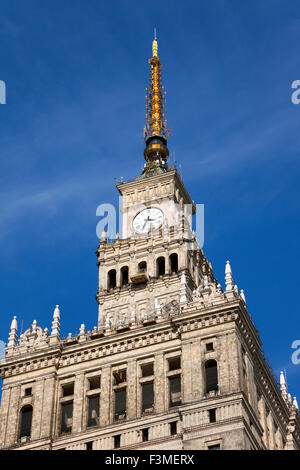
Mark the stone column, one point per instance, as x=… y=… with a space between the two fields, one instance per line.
x=4 y=410
x=78 y=403
x=197 y=376
x=105 y=397
x=159 y=383
x=186 y=367
x=37 y=409
x=131 y=390
x=13 y=416
x=228 y=363
x=48 y=412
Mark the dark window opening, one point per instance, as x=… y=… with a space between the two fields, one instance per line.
x=212 y=415
x=142 y=266
x=119 y=376
x=174 y=363
x=120 y=404
x=66 y=417
x=147 y=397
x=147 y=369
x=28 y=392
x=68 y=390
x=111 y=279
x=174 y=263
x=145 y=434
x=93 y=411
x=26 y=419
x=94 y=383
x=214 y=447
x=117 y=441
x=175 y=391
x=89 y=445
x=124 y=276
x=160 y=263
x=211 y=376
x=209 y=347
x=173 y=428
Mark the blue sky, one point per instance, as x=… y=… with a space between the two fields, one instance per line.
x=76 y=73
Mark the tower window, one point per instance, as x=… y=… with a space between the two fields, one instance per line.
x=147 y=397
x=66 y=417
x=145 y=434
x=119 y=376
x=209 y=347
x=28 y=392
x=25 y=423
x=67 y=390
x=211 y=376
x=142 y=266
x=175 y=391
x=111 y=279
x=117 y=441
x=173 y=428
x=160 y=263
x=94 y=383
x=174 y=363
x=120 y=404
x=124 y=276
x=174 y=262
x=212 y=415
x=93 y=411
x=147 y=369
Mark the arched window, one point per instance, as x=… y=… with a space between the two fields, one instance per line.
x=124 y=276
x=211 y=376
x=25 y=421
x=111 y=279
x=174 y=263
x=142 y=266
x=160 y=265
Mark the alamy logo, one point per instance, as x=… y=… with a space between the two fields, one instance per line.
x=140 y=220
x=2 y=349
x=296 y=353
x=296 y=94
x=2 y=92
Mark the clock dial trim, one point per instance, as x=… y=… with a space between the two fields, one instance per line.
x=143 y=226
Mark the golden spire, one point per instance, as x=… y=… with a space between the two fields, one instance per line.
x=156 y=124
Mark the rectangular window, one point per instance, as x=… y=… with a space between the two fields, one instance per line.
x=174 y=363
x=94 y=383
x=93 y=411
x=209 y=347
x=66 y=417
x=145 y=434
x=89 y=445
x=68 y=389
x=147 y=397
x=147 y=369
x=175 y=390
x=119 y=376
x=28 y=392
x=214 y=447
x=117 y=441
x=173 y=428
x=212 y=416
x=120 y=404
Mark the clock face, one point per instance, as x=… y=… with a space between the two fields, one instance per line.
x=148 y=219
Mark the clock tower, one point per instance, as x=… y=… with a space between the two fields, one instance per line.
x=175 y=362
x=157 y=263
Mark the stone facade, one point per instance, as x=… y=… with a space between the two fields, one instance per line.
x=171 y=326
x=175 y=361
